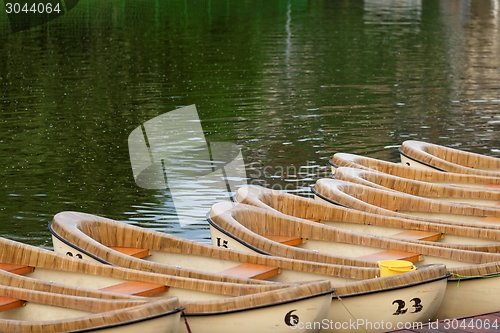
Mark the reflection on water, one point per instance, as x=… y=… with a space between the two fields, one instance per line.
x=473 y=49
x=290 y=82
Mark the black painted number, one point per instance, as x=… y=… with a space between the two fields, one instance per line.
x=291 y=319
x=402 y=309
x=416 y=304
x=78 y=255
x=221 y=242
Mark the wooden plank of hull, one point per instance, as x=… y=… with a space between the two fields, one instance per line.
x=401 y=205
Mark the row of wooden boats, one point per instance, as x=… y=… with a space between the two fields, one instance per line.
x=278 y=261
x=221 y=301
x=374 y=210
x=104 y=259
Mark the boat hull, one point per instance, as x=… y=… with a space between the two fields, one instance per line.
x=286 y=318
x=405 y=160
x=470 y=296
x=71 y=251
x=164 y=324
x=392 y=309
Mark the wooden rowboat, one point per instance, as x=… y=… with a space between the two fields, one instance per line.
x=32 y=311
x=397 y=204
x=244 y=226
x=436 y=234
x=402 y=170
x=228 y=223
x=427 y=155
x=223 y=306
x=92 y=233
x=419 y=188
x=103 y=240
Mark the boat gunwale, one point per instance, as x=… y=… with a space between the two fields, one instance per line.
x=451 y=159
x=447 y=276
x=68 y=243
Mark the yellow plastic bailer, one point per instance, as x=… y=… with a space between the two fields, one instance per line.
x=391 y=267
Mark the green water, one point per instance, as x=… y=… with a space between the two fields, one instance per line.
x=290 y=82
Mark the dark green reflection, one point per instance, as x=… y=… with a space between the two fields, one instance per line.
x=292 y=82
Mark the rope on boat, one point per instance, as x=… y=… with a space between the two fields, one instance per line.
x=341 y=302
x=183 y=315
x=459 y=276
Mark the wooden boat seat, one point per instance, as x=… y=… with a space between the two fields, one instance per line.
x=490 y=219
x=286 y=240
x=392 y=255
x=252 y=271
x=17 y=269
x=132 y=251
x=9 y=303
x=419 y=235
x=136 y=288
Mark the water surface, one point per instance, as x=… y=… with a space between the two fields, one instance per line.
x=290 y=82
